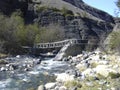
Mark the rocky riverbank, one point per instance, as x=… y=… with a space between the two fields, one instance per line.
x=91 y=70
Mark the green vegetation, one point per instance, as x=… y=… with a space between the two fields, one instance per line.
x=115 y=40
x=51 y=33
x=71 y=84
x=44 y=8
x=3 y=61
x=67 y=12
x=14 y=33
x=64 y=11
x=114 y=75
x=118 y=3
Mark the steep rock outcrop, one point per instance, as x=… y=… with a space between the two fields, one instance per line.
x=9 y=6
x=86 y=21
x=95 y=12
x=75 y=26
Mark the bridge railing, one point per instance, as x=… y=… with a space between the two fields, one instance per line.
x=60 y=43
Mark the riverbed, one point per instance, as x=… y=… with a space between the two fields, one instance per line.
x=22 y=78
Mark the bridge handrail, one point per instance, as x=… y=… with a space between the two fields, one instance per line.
x=59 y=43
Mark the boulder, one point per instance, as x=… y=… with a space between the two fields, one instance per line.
x=41 y=87
x=2 y=69
x=62 y=88
x=64 y=77
x=103 y=62
x=50 y=85
x=104 y=70
x=87 y=72
x=82 y=66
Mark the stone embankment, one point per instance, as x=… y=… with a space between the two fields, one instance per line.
x=91 y=70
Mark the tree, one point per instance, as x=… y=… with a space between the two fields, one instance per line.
x=115 y=40
x=117 y=11
x=118 y=3
x=51 y=33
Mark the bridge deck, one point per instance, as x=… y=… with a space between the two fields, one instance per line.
x=60 y=43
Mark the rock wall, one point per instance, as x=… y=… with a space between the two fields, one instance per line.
x=9 y=6
x=95 y=12
x=95 y=23
x=75 y=26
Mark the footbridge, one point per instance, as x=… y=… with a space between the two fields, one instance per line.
x=60 y=43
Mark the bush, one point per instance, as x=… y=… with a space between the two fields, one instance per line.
x=3 y=61
x=115 y=40
x=73 y=83
x=56 y=33
x=114 y=75
x=67 y=12
x=43 y=8
x=14 y=33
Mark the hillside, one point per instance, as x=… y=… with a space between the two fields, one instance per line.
x=75 y=18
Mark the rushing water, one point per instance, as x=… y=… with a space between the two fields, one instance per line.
x=20 y=79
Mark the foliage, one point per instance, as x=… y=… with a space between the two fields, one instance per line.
x=115 y=40
x=43 y=8
x=67 y=12
x=118 y=3
x=3 y=61
x=114 y=75
x=73 y=83
x=117 y=12
x=64 y=10
x=14 y=33
x=51 y=33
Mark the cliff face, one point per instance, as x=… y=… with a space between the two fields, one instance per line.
x=85 y=22
x=9 y=6
x=95 y=12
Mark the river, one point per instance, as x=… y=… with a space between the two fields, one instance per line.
x=24 y=79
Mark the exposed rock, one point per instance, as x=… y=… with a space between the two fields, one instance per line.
x=62 y=88
x=64 y=77
x=50 y=85
x=89 y=21
x=9 y=6
x=82 y=66
x=89 y=84
x=2 y=69
x=104 y=70
x=88 y=72
x=41 y=87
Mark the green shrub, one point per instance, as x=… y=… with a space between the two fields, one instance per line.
x=67 y=12
x=73 y=83
x=114 y=75
x=115 y=40
x=43 y=8
x=3 y=62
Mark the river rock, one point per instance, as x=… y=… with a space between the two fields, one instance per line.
x=82 y=66
x=50 y=85
x=64 y=77
x=71 y=72
x=62 y=88
x=88 y=72
x=89 y=84
x=41 y=87
x=2 y=69
x=103 y=62
x=104 y=70
x=18 y=56
x=65 y=59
